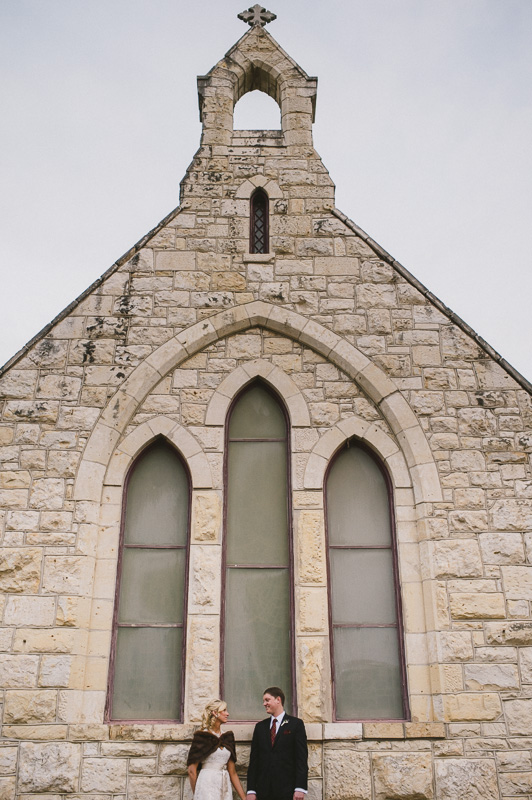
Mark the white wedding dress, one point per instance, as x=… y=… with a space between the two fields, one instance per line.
x=213 y=780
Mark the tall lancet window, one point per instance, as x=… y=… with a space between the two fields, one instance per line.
x=257 y=620
x=259 y=222
x=148 y=641
x=365 y=618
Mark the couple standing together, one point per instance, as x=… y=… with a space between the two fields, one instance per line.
x=277 y=763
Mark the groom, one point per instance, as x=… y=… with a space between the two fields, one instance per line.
x=278 y=761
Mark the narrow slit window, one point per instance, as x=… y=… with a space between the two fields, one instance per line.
x=147 y=659
x=365 y=611
x=259 y=223
x=258 y=604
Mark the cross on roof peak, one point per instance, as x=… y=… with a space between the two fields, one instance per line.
x=257 y=15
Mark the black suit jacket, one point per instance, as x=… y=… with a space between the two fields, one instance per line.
x=275 y=772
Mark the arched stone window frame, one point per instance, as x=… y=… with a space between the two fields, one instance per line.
x=98 y=490
x=259 y=222
x=258 y=380
x=363 y=445
x=180 y=669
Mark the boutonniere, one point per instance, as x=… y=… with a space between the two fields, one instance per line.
x=284 y=722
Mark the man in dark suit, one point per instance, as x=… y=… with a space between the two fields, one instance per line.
x=278 y=767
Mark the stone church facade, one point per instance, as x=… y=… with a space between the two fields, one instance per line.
x=360 y=357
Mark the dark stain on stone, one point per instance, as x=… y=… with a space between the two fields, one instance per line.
x=88 y=354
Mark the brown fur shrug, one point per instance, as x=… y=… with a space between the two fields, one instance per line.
x=205 y=743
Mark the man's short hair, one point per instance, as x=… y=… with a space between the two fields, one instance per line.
x=275 y=692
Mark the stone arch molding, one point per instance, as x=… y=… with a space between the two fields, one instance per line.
x=356 y=427
x=187 y=445
x=371 y=378
x=259 y=368
x=247 y=187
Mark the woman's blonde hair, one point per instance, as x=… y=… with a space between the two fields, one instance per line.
x=210 y=711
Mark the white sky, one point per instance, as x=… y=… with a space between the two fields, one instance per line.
x=424 y=120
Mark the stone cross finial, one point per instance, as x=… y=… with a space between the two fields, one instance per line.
x=257 y=15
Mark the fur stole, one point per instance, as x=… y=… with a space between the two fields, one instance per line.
x=205 y=743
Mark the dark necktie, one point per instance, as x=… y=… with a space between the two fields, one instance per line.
x=273 y=730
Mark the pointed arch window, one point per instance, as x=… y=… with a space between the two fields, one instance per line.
x=364 y=609
x=257 y=629
x=147 y=658
x=259 y=222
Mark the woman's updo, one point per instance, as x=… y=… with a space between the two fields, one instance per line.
x=210 y=712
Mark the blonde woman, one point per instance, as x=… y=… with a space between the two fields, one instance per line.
x=212 y=757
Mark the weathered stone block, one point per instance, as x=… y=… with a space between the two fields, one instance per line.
x=206 y=517
x=155 y=787
x=517 y=633
x=104 y=775
x=313 y=653
x=502 y=548
x=18 y=383
x=55 y=671
x=15 y=479
x=468 y=521
x=8 y=760
x=31 y=411
x=30 y=706
x=516 y=783
x=480 y=605
x=202 y=661
x=403 y=776
x=517 y=582
x=525 y=659
x=371 y=295
x=18 y=672
x=13 y=498
x=518 y=715
x=8 y=788
x=313 y=610
x=24 y=610
x=311 y=546
x=455 y=558
x=511 y=515
x=347 y=775
x=464 y=706
x=324 y=414
x=49 y=767
x=204 y=593
x=58 y=387
x=47 y=493
x=67 y=574
x=491 y=677
x=173 y=759
x=474 y=779
x=20 y=569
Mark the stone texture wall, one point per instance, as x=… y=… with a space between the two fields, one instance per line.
x=354 y=347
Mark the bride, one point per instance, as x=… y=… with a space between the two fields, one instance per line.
x=212 y=757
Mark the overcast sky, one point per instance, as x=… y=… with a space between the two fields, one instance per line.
x=424 y=121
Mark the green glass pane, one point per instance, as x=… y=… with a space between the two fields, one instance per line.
x=152 y=586
x=257 y=639
x=362 y=587
x=157 y=499
x=257 y=503
x=367 y=674
x=357 y=501
x=147 y=674
x=257 y=415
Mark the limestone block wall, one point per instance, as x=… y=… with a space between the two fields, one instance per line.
x=354 y=347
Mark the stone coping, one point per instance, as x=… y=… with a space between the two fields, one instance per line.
x=157 y=732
